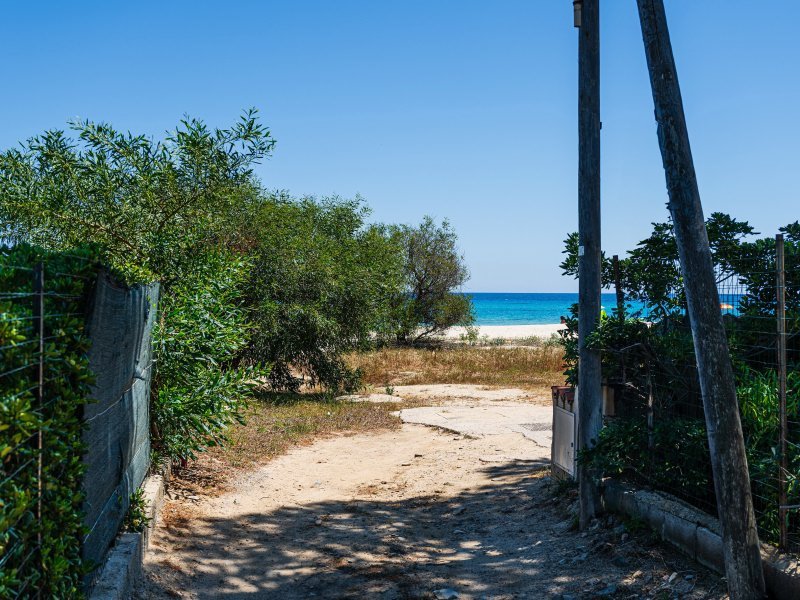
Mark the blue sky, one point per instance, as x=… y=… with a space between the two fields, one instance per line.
x=458 y=109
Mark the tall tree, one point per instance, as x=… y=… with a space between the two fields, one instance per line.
x=434 y=269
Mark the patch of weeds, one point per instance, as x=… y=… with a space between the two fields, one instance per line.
x=136 y=520
x=634 y=524
x=471 y=336
x=564 y=487
x=389 y=390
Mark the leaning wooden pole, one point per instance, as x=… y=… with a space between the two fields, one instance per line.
x=590 y=403
x=731 y=480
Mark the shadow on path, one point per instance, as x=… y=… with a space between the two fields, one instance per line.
x=508 y=539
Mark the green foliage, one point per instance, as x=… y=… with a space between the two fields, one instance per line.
x=155 y=211
x=150 y=207
x=471 y=335
x=433 y=269
x=569 y=341
x=658 y=356
x=136 y=519
x=569 y=266
x=320 y=286
x=201 y=332
x=52 y=566
x=651 y=274
x=677 y=459
x=758 y=403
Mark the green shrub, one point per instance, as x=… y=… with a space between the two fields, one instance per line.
x=42 y=553
x=758 y=403
x=320 y=286
x=202 y=329
x=151 y=208
x=136 y=518
x=155 y=211
x=678 y=460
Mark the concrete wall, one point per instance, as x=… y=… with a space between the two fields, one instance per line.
x=697 y=534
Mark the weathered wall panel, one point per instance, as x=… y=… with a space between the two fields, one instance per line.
x=117 y=432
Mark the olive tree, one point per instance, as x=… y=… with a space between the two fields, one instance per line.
x=434 y=269
x=321 y=284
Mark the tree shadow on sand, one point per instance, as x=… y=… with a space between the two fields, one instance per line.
x=509 y=539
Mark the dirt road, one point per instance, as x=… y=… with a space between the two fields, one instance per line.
x=416 y=513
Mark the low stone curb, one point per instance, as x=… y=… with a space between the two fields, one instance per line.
x=697 y=534
x=122 y=570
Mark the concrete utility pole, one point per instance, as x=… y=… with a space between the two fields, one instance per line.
x=590 y=401
x=731 y=480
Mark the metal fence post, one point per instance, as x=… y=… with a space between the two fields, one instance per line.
x=38 y=323
x=780 y=314
x=618 y=288
x=651 y=443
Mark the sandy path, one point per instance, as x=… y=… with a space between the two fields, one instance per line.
x=506 y=331
x=400 y=514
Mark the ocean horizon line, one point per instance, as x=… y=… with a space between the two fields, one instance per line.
x=524 y=308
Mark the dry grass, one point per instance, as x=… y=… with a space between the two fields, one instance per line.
x=530 y=367
x=277 y=422
x=273 y=425
x=289 y=419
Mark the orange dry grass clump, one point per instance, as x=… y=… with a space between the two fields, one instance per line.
x=525 y=367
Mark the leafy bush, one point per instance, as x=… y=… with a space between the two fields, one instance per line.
x=320 y=285
x=151 y=208
x=759 y=406
x=42 y=552
x=154 y=211
x=677 y=460
x=201 y=331
x=136 y=519
x=658 y=356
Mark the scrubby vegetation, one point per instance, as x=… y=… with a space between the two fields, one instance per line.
x=659 y=436
x=257 y=288
x=259 y=292
x=432 y=269
x=321 y=283
x=533 y=367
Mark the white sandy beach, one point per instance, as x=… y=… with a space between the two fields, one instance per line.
x=506 y=331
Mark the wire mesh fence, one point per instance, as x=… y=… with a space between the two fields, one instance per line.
x=42 y=389
x=656 y=431
x=75 y=371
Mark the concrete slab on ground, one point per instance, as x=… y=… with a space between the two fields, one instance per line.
x=528 y=420
x=379 y=398
x=454 y=392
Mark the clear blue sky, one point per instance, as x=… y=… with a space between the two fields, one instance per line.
x=458 y=109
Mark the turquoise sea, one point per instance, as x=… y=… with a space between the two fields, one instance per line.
x=526 y=309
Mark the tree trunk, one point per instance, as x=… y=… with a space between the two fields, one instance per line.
x=729 y=462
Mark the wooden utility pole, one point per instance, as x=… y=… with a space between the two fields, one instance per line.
x=590 y=400
x=731 y=480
